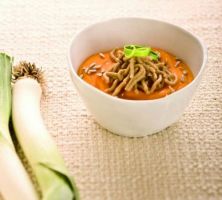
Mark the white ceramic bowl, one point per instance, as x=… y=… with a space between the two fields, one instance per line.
x=129 y=117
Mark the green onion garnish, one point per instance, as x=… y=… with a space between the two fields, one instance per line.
x=153 y=55
x=139 y=51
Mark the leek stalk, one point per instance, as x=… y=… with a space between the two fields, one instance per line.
x=47 y=164
x=14 y=181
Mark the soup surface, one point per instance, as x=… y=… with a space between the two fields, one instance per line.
x=151 y=79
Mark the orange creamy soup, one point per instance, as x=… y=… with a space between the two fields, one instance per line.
x=135 y=78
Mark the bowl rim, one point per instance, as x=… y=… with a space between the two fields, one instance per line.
x=120 y=100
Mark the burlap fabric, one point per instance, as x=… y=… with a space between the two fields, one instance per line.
x=183 y=162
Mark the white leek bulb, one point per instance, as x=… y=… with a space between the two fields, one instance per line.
x=14 y=181
x=47 y=164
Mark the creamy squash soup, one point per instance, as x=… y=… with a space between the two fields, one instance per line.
x=136 y=72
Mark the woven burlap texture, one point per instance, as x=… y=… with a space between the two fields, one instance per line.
x=183 y=162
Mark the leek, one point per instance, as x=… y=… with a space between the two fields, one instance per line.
x=14 y=181
x=140 y=51
x=47 y=164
